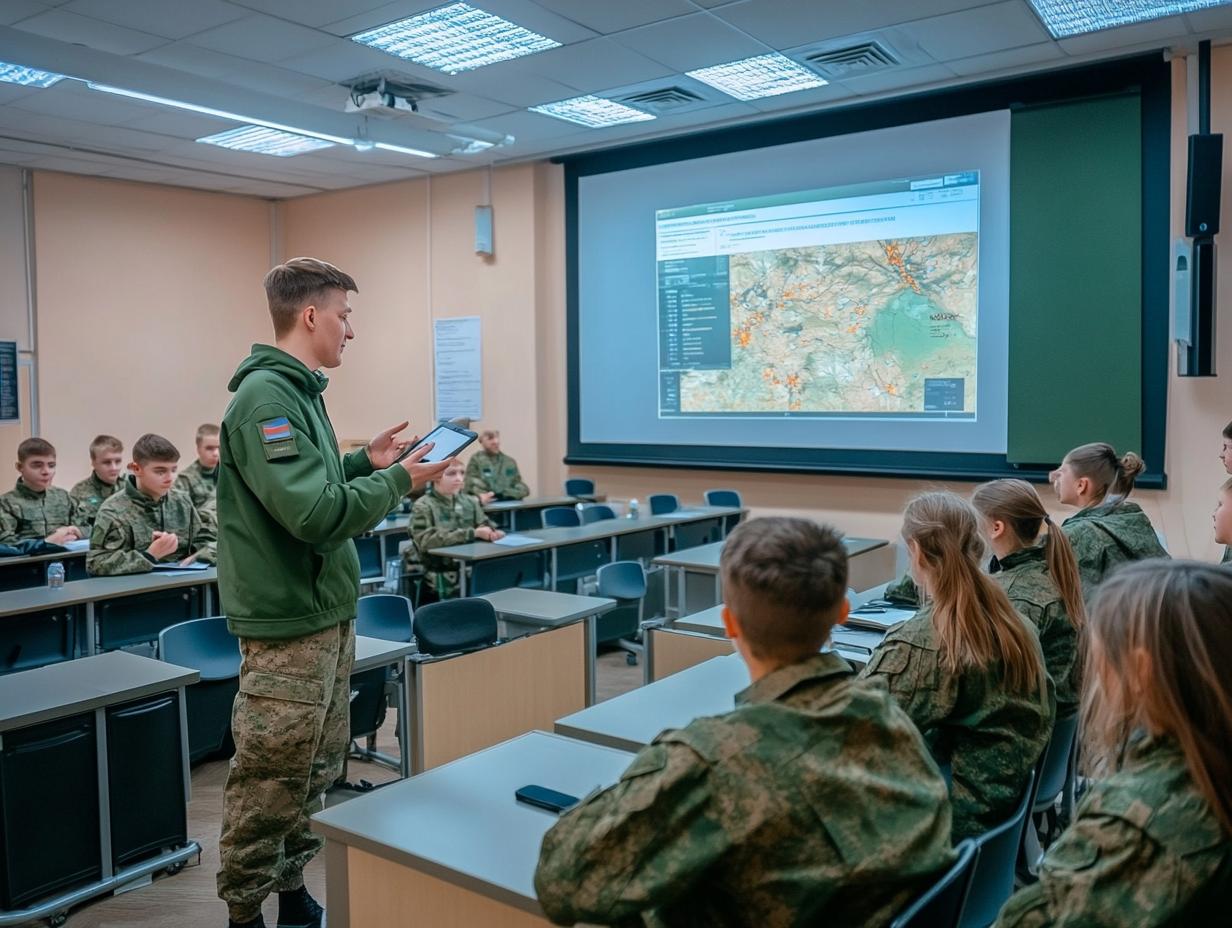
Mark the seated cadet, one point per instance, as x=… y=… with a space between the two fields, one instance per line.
x=1040 y=576
x=107 y=461
x=1108 y=531
x=967 y=668
x=151 y=522
x=813 y=802
x=34 y=508
x=444 y=516
x=1225 y=458
x=1151 y=844
x=200 y=478
x=492 y=475
x=1222 y=519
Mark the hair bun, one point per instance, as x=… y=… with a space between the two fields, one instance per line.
x=1131 y=464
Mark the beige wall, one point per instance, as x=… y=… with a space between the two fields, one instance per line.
x=14 y=324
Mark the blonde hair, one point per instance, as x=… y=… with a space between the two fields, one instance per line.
x=1098 y=462
x=974 y=619
x=1179 y=614
x=1018 y=505
x=207 y=430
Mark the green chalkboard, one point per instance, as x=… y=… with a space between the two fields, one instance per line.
x=1075 y=364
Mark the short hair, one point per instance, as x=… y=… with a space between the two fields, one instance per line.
x=489 y=433
x=1227 y=431
x=35 y=448
x=291 y=286
x=207 y=430
x=784 y=579
x=103 y=443
x=154 y=448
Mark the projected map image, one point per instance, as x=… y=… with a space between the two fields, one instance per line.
x=879 y=326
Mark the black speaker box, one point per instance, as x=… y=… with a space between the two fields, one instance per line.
x=1198 y=359
x=1202 y=191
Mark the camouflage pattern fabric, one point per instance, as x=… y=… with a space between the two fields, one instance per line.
x=89 y=494
x=291 y=724
x=1105 y=537
x=1024 y=577
x=1145 y=850
x=904 y=591
x=200 y=484
x=1227 y=555
x=813 y=802
x=126 y=524
x=26 y=514
x=990 y=737
x=495 y=473
x=439 y=521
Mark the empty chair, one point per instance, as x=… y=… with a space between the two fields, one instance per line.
x=663 y=503
x=371 y=562
x=994 y=871
x=206 y=646
x=1052 y=775
x=625 y=582
x=941 y=905
x=579 y=486
x=455 y=625
x=726 y=498
x=561 y=517
x=384 y=616
x=388 y=617
x=597 y=513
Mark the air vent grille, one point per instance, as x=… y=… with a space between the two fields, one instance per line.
x=852 y=60
x=662 y=99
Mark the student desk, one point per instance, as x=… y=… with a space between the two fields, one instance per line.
x=523 y=514
x=526 y=611
x=548 y=541
x=18 y=573
x=391 y=531
x=371 y=653
x=452 y=847
x=95 y=755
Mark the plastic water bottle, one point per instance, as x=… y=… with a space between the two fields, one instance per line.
x=55 y=576
x=633 y=508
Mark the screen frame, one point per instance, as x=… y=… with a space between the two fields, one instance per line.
x=1149 y=76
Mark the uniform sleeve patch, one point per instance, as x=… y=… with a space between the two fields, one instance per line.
x=276 y=429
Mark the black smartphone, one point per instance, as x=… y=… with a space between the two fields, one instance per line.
x=447 y=440
x=543 y=798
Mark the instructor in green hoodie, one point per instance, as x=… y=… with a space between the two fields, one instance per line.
x=288 y=506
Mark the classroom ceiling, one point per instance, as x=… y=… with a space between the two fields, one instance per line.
x=292 y=62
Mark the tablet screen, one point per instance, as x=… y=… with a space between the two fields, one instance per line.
x=448 y=442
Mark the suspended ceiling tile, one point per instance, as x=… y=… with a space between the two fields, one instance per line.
x=1124 y=37
x=690 y=42
x=316 y=13
x=978 y=31
x=344 y=59
x=907 y=80
x=516 y=88
x=526 y=126
x=593 y=66
x=1007 y=60
x=241 y=72
x=93 y=33
x=614 y=17
x=159 y=17
x=262 y=38
x=12 y=11
x=1212 y=20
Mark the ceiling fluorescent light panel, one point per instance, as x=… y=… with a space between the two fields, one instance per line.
x=264 y=141
x=757 y=77
x=27 y=77
x=1064 y=18
x=592 y=112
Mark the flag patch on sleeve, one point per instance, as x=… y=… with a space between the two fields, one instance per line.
x=277 y=439
x=275 y=429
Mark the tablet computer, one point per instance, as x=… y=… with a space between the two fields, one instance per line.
x=447 y=439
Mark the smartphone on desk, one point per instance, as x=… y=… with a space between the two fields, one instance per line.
x=447 y=441
x=543 y=798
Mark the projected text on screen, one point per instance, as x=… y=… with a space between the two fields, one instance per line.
x=856 y=302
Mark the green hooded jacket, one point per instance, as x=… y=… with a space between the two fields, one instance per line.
x=289 y=504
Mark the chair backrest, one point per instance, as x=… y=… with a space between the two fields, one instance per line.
x=561 y=517
x=203 y=645
x=579 y=486
x=597 y=513
x=663 y=503
x=993 y=882
x=1053 y=766
x=722 y=498
x=368 y=547
x=941 y=905
x=384 y=615
x=622 y=580
x=455 y=625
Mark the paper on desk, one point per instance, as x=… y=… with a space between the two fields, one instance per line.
x=81 y=544
x=513 y=540
x=176 y=566
x=880 y=618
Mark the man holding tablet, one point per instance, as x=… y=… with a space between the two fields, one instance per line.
x=288 y=574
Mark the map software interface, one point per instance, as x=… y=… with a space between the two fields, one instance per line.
x=859 y=302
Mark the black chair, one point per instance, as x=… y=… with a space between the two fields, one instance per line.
x=726 y=498
x=625 y=582
x=388 y=617
x=662 y=503
x=993 y=882
x=560 y=517
x=371 y=562
x=384 y=616
x=1052 y=775
x=455 y=625
x=206 y=646
x=941 y=906
x=598 y=512
x=579 y=486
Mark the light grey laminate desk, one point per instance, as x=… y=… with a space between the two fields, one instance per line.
x=522 y=514
x=452 y=846
x=710 y=622
x=17 y=573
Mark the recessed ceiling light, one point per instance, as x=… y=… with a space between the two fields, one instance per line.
x=454 y=38
x=27 y=77
x=761 y=76
x=264 y=141
x=594 y=112
x=1074 y=17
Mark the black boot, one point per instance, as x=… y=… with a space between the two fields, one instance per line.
x=258 y=922
x=297 y=909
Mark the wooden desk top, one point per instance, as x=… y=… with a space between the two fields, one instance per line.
x=545 y=607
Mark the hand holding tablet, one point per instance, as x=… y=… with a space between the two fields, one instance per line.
x=446 y=440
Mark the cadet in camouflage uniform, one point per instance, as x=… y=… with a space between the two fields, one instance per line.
x=105 y=480
x=491 y=474
x=34 y=509
x=200 y=478
x=1151 y=845
x=125 y=539
x=444 y=516
x=813 y=802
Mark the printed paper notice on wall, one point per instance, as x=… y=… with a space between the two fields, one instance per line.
x=457 y=352
x=10 y=407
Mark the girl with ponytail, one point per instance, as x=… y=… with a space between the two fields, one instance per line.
x=967 y=668
x=1039 y=575
x=1107 y=531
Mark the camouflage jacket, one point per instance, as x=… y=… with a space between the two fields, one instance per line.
x=1145 y=850
x=26 y=514
x=495 y=473
x=1024 y=577
x=1106 y=536
x=89 y=494
x=775 y=814
x=126 y=524
x=439 y=521
x=990 y=737
x=200 y=484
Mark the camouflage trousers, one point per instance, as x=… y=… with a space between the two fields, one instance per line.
x=291 y=724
